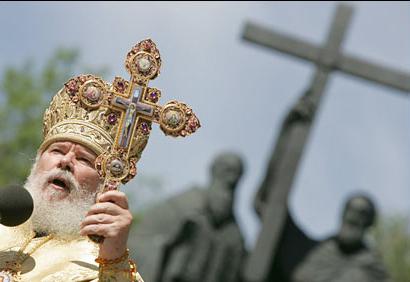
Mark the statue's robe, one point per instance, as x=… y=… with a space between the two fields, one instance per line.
x=200 y=252
x=54 y=261
x=204 y=253
x=158 y=224
x=327 y=263
x=299 y=258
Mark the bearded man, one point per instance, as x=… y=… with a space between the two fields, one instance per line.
x=63 y=183
x=94 y=133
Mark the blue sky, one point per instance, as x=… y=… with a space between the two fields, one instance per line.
x=361 y=139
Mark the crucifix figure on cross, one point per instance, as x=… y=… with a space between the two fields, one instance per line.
x=132 y=107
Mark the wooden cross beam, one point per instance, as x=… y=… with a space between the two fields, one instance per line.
x=294 y=135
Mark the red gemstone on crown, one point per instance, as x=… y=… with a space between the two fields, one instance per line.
x=72 y=86
x=112 y=118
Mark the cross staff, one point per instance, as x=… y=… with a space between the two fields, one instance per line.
x=131 y=107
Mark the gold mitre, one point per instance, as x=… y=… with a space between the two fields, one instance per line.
x=114 y=120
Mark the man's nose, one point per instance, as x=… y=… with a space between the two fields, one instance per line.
x=66 y=162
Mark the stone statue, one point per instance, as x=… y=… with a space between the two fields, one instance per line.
x=300 y=115
x=283 y=251
x=345 y=257
x=194 y=236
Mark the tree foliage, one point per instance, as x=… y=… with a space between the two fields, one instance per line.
x=392 y=237
x=25 y=92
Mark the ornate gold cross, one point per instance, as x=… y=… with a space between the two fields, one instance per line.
x=131 y=107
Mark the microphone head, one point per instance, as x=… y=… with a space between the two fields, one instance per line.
x=16 y=205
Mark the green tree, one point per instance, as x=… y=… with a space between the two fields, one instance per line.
x=392 y=237
x=24 y=94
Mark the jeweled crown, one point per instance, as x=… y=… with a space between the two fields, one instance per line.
x=114 y=120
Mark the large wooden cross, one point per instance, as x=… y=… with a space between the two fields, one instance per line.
x=290 y=145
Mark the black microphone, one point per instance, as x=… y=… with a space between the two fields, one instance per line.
x=16 y=205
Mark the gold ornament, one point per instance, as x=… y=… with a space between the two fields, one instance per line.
x=10 y=270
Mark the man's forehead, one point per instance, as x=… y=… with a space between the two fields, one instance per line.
x=78 y=146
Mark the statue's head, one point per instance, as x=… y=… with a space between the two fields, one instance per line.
x=359 y=214
x=227 y=168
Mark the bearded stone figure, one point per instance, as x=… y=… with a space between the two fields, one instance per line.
x=345 y=257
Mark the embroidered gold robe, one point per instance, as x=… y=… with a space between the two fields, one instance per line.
x=54 y=261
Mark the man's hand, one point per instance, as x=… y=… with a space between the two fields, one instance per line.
x=110 y=218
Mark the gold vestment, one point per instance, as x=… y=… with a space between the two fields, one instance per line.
x=56 y=260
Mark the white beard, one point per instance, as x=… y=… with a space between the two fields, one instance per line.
x=60 y=217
